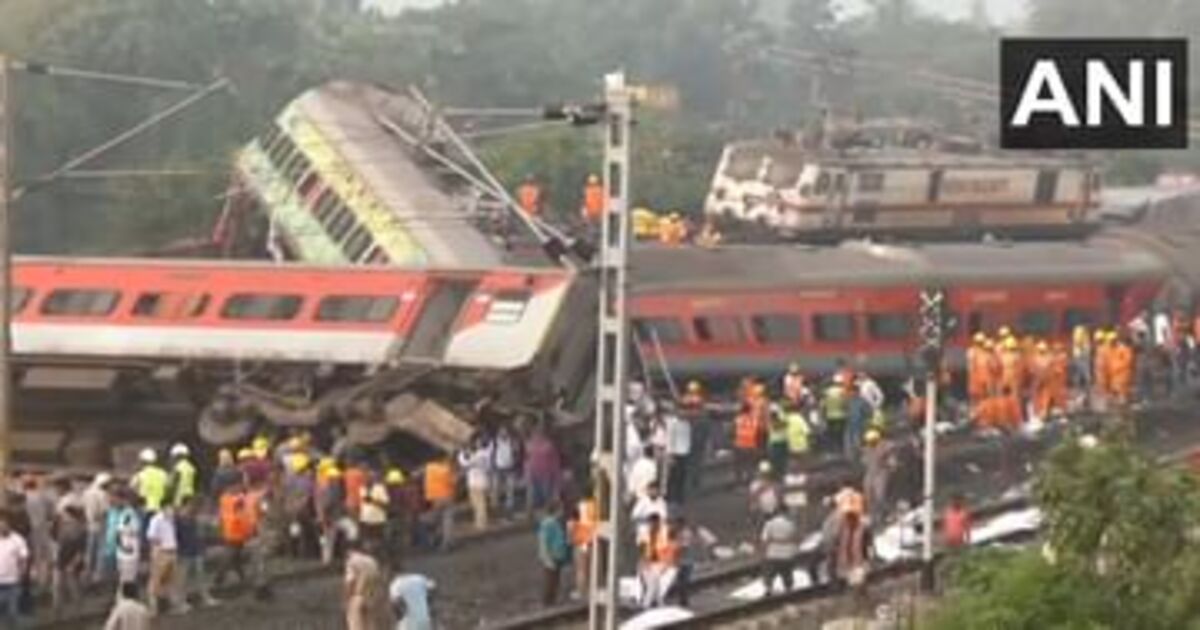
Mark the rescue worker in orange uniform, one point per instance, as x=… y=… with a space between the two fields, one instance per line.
x=1101 y=354
x=1060 y=378
x=592 y=210
x=1039 y=369
x=440 y=491
x=1008 y=409
x=238 y=516
x=747 y=441
x=582 y=530
x=672 y=230
x=1120 y=370
x=1012 y=367
x=979 y=373
x=529 y=196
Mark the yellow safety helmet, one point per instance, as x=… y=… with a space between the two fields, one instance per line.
x=980 y=338
x=333 y=472
x=872 y=436
x=764 y=467
x=1010 y=343
x=1004 y=331
x=1042 y=346
x=245 y=453
x=1099 y=335
x=299 y=462
x=693 y=386
x=326 y=463
x=394 y=476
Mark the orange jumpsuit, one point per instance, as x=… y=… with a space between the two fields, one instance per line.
x=1059 y=380
x=1012 y=370
x=1008 y=411
x=1039 y=380
x=979 y=373
x=1120 y=372
x=1101 y=358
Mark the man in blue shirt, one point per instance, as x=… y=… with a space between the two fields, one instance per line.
x=553 y=551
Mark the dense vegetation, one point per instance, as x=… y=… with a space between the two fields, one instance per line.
x=1123 y=533
x=478 y=52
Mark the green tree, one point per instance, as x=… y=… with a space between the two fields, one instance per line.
x=1122 y=528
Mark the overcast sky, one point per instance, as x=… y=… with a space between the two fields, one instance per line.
x=1001 y=11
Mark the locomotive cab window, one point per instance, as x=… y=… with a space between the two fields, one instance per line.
x=889 y=326
x=356 y=308
x=80 y=302
x=1038 y=322
x=775 y=328
x=717 y=329
x=832 y=327
x=870 y=182
x=260 y=306
x=668 y=331
x=1073 y=317
x=507 y=307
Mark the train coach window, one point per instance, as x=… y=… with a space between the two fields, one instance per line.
x=833 y=327
x=1038 y=323
x=889 y=326
x=1073 y=317
x=18 y=297
x=507 y=307
x=668 y=331
x=170 y=305
x=259 y=306
x=775 y=328
x=356 y=308
x=718 y=329
x=80 y=302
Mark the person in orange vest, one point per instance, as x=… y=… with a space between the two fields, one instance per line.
x=1059 y=379
x=1120 y=371
x=582 y=531
x=979 y=373
x=1101 y=353
x=659 y=556
x=440 y=492
x=529 y=196
x=238 y=517
x=747 y=442
x=1008 y=409
x=355 y=479
x=592 y=210
x=1039 y=368
x=1012 y=373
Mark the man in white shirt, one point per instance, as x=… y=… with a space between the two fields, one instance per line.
x=95 y=511
x=409 y=596
x=642 y=473
x=128 y=613
x=14 y=556
x=649 y=504
x=164 y=549
x=679 y=451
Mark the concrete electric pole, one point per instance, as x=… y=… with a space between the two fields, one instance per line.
x=5 y=277
x=932 y=314
x=612 y=355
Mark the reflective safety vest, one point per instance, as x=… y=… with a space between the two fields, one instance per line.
x=593 y=202
x=661 y=548
x=355 y=480
x=584 y=529
x=956 y=523
x=797 y=433
x=439 y=482
x=833 y=404
x=237 y=514
x=184 y=480
x=152 y=487
x=746 y=431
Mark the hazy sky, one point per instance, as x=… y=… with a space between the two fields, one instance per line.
x=1001 y=11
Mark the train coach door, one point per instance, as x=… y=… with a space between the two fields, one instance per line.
x=431 y=332
x=1046 y=186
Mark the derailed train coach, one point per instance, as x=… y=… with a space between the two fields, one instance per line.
x=378 y=349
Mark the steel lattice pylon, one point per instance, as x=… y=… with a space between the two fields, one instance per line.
x=612 y=358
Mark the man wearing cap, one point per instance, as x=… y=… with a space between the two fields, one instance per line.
x=183 y=475
x=150 y=482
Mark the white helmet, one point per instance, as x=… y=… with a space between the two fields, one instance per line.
x=180 y=450
x=148 y=456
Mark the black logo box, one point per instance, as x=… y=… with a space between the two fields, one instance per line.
x=1046 y=131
